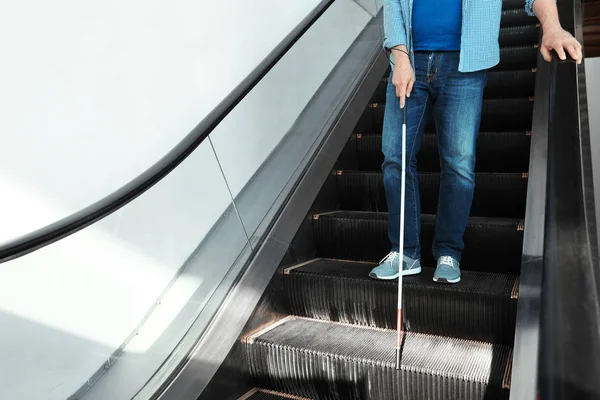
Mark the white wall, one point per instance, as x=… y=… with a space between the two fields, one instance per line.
x=592 y=76
x=93 y=93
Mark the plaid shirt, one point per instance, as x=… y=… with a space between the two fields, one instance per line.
x=479 y=48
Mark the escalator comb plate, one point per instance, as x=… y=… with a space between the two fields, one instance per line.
x=326 y=360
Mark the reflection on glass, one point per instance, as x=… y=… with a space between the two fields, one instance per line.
x=259 y=144
x=68 y=308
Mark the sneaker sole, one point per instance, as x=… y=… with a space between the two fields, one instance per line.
x=444 y=280
x=413 y=271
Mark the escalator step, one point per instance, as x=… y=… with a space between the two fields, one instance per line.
x=263 y=394
x=506 y=151
x=328 y=360
x=491 y=244
x=500 y=84
x=380 y=92
x=511 y=83
x=517 y=57
x=519 y=35
x=496 y=194
x=495 y=112
x=513 y=4
x=481 y=307
x=493 y=116
x=514 y=57
x=516 y=17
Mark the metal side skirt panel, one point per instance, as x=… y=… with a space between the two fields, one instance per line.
x=233 y=314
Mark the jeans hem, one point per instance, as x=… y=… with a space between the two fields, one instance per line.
x=414 y=255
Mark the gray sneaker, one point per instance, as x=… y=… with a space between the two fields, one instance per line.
x=389 y=267
x=447 y=271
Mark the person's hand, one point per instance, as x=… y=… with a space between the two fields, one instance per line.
x=558 y=39
x=403 y=77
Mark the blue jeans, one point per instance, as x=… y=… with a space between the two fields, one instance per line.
x=455 y=100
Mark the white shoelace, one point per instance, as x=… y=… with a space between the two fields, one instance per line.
x=390 y=257
x=447 y=260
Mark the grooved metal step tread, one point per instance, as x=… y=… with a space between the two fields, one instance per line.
x=496 y=194
x=330 y=360
x=519 y=83
x=517 y=57
x=491 y=244
x=493 y=116
x=516 y=16
x=426 y=219
x=264 y=394
x=519 y=35
x=481 y=307
x=496 y=152
x=513 y=4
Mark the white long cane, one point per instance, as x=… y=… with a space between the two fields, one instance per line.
x=401 y=250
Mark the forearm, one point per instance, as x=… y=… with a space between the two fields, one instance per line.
x=400 y=51
x=547 y=13
x=393 y=25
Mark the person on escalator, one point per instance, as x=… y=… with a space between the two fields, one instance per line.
x=440 y=51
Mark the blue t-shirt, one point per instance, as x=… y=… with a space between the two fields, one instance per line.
x=437 y=25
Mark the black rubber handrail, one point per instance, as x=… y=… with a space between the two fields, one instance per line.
x=122 y=196
x=570 y=298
